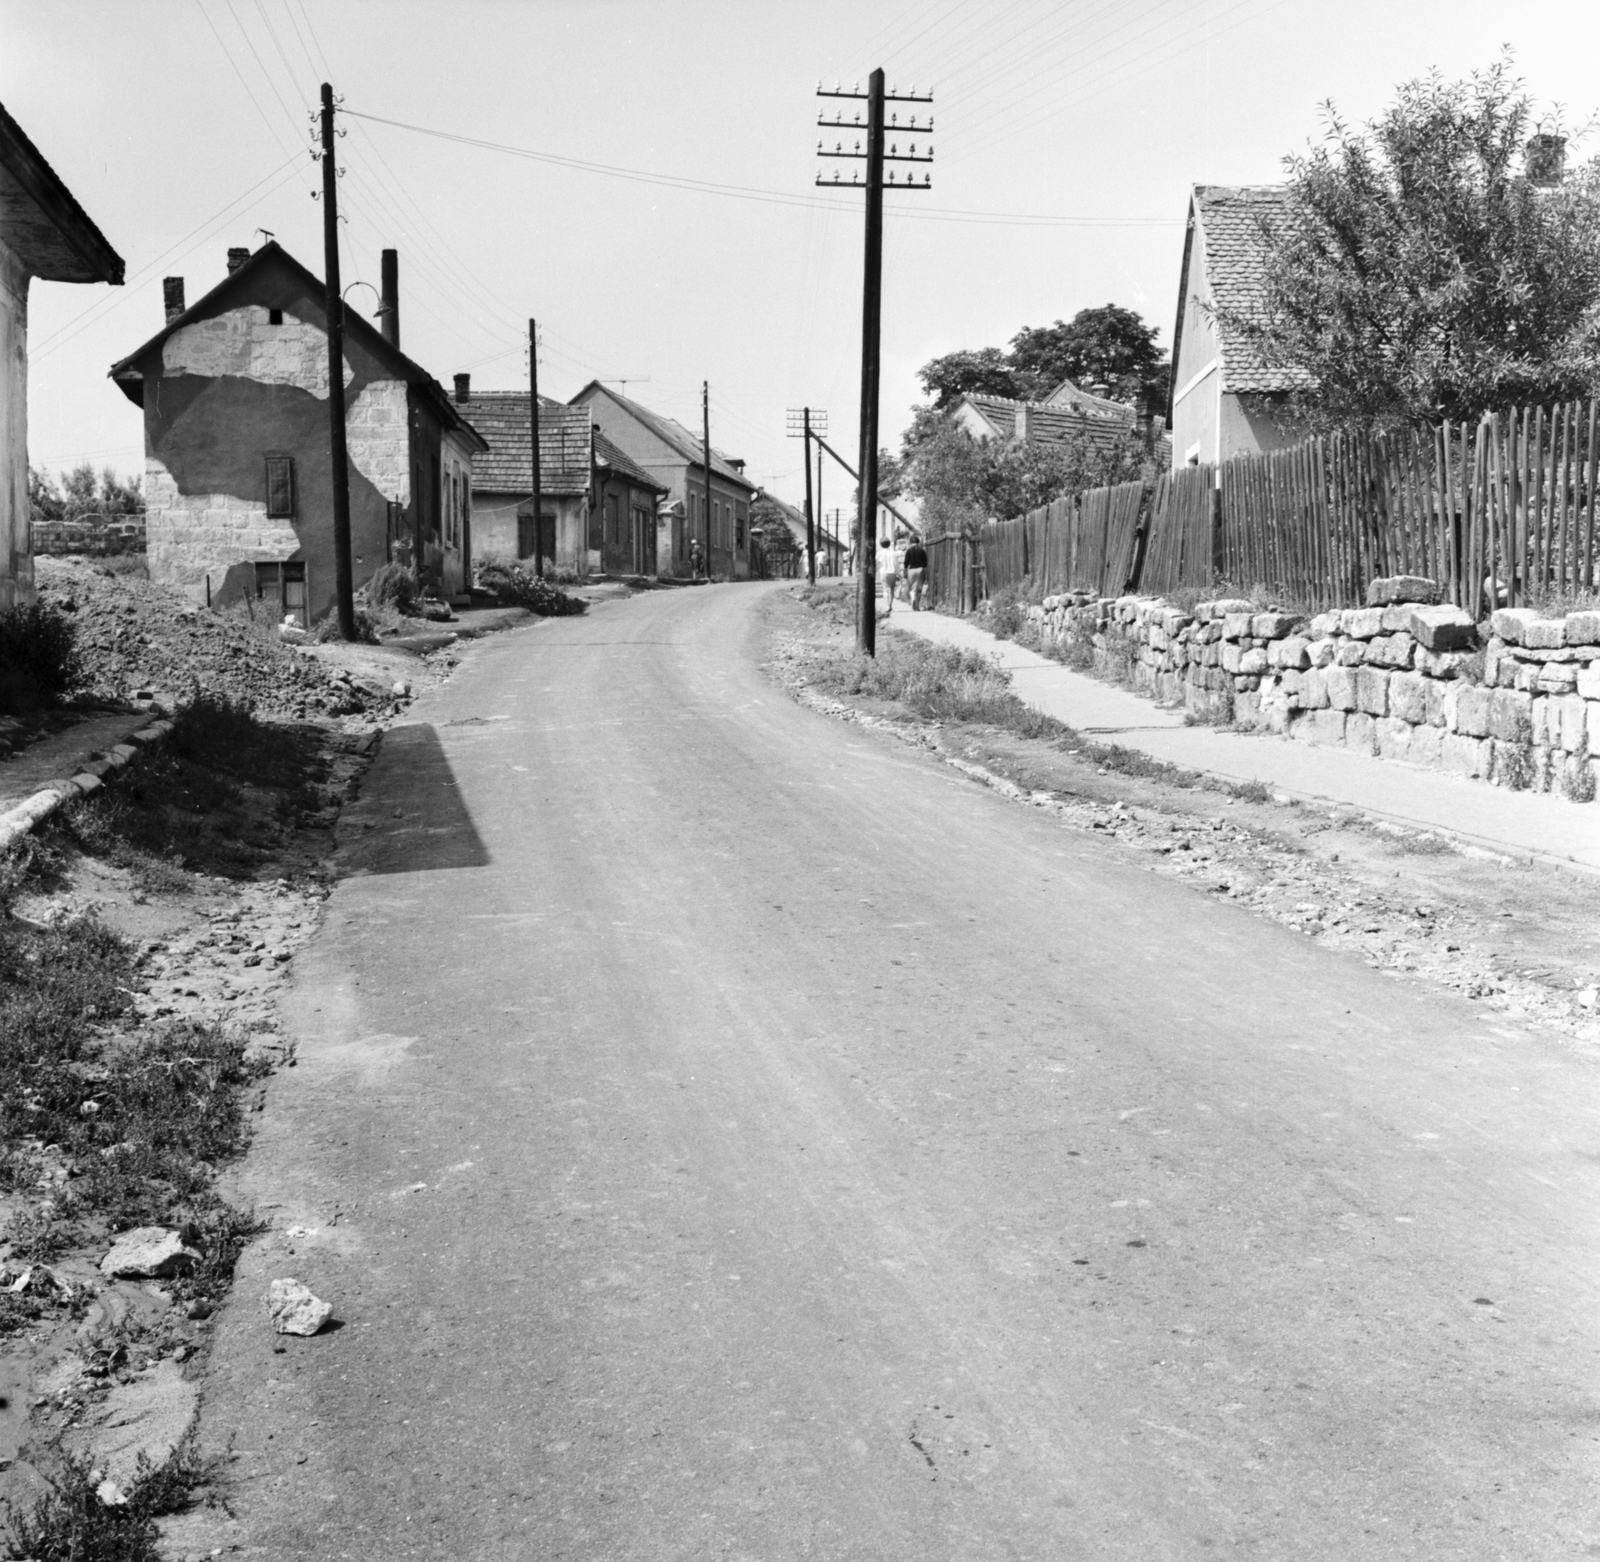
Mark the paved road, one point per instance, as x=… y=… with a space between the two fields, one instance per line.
x=728 y=1134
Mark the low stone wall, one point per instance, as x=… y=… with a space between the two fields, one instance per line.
x=1515 y=701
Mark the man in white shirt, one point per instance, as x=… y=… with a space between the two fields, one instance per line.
x=888 y=570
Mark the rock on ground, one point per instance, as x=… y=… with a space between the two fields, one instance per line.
x=148 y=1252
x=294 y=1309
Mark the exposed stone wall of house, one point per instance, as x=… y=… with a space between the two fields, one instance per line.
x=1515 y=701
x=190 y=537
x=245 y=342
x=378 y=437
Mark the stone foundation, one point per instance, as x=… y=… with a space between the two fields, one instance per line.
x=1515 y=701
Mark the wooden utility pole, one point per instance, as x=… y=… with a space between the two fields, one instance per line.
x=819 y=486
x=811 y=525
x=533 y=448
x=343 y=576
x=875 y=156
x=705 y=426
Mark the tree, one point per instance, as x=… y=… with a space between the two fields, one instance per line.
x=1417 y=273
x=1108 y=346
x=80 y=491
x=45 y=505
x=776 y=538
x=986 y=372
x=118 y=498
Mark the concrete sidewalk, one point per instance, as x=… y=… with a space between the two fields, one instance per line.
x=1520 y=823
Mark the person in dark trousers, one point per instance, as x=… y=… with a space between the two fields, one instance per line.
x=694 y=558
x=916 y=564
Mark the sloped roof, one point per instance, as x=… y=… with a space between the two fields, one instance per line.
x=607 y=454
x=43 y=222
x=271 y=253
x=1229 y=220
x=1055 y=425
x=1068 y=394
x=506 y=467
x=671 y=433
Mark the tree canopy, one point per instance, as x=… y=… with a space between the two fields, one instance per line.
x=81 y=493
x=1108 y=345
x=1419 y=273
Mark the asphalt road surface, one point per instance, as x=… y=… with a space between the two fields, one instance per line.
x=726 y=1133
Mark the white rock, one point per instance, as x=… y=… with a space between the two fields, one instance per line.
x=148 y=1252
x=294 y=1309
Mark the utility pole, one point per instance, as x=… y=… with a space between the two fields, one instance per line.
x=343 y=576
x=705 y=425
x=819 y=486
x=533 y=442
x=809 y=423
x=875 y=156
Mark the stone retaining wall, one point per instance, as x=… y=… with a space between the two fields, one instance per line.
x=1515 y=701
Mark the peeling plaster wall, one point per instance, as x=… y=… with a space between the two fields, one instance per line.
x=192 y=537
x=378 y=438
x=16 y=551
x=246 y=343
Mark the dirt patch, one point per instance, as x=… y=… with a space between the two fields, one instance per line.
x=1523 y=940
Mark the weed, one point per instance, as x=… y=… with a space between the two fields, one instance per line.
x=39 y=662
x=393 y=586
x=36 y=1236
x=1514 y=760
x=219 y=1234
x=365 y=625
x=1251 y=791
x=1556 y=602
x=1006 y=612
x=1577 y=779
x=512 y=586
x=1424 y=845
x=836 y=602
x=1471 y=669
x=18 y=1313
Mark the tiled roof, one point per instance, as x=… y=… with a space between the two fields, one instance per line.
x=1103 y=423
x=607 y=454
x=1067 y=394
x=501 y=417
x=1230 y=219
x=686 y=445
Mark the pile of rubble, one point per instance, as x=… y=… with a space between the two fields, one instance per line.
x=139 y=640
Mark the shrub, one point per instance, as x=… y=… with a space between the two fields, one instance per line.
x=512 y=586
x=393 y=586
x=39 y=663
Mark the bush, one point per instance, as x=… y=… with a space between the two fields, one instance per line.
x=393 y=586
x=512 y=586
x=39 y=663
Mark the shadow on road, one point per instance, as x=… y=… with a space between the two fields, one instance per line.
x=411 y=817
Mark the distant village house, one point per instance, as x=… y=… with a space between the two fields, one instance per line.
x=238 y=482
x=44 y=233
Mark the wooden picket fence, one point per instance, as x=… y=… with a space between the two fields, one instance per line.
x=1499 y=511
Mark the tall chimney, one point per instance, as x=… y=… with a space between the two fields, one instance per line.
x=236 y=258
x=391 y=297
x=463 y=388
x=172 y=296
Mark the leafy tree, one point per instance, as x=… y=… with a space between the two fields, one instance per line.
x=1109 y=345
x=776 y=538
x=1417 y=273
x=80 y=491
x=81 y=494
x=986 y=372
x=118 y=498
x=45 y=505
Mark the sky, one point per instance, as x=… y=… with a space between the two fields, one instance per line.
x=666 y=229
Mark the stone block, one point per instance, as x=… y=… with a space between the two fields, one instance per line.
x=1439 y=664
x=1323 y=651
x=1539 y=719
x=1360 y=733
x=1545 y=634
x=1394 y=738
x=1291 y=682
x=1351 y=653
x=1441 y=698
x=1294 y=652
x=1401 y=588
x=1223 y=606
x=1589 y=681
x=1340 y=683
x=1556 y=678
x=1236 y=626
x=1314 y=689
x=1397 y=618
x=1462 y=755
x=1567 y=723
x=1252 y=663
x=1472 y=710
x=1408 y=697
x=1273 y=626
x=1511 y=716
x=1427 y=743
x=1372 y=691
x=1583 y=628
x=1232 y=655
x=1323 y=625
x=1391 y=650
x=1362 y=623
x=1442 y=628
x=1324 y=727
x=1508 y=623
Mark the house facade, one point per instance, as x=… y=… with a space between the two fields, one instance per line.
x=43 y=233
x=675 y=458
x=600 y=507
x=238 y=481
x=1226 y=400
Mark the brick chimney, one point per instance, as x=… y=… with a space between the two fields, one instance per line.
x=172 y=296
x=463 y=388
x=236 y=258
x=390 y=293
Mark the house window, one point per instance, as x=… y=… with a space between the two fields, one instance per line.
x=274 y=317
x=280 y=487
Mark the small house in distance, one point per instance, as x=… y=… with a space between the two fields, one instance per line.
x=44 y=233
x=600 y=507
x=1068 y=416
x=672 y=455
x=1226 y=399
x=238 y=484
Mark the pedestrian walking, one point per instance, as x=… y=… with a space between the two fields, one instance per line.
x=887 y=571
x=694 y=558
x=916 y=563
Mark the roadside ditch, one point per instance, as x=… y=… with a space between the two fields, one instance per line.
x=1522 y=940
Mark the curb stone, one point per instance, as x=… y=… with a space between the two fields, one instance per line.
x=28 y=815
